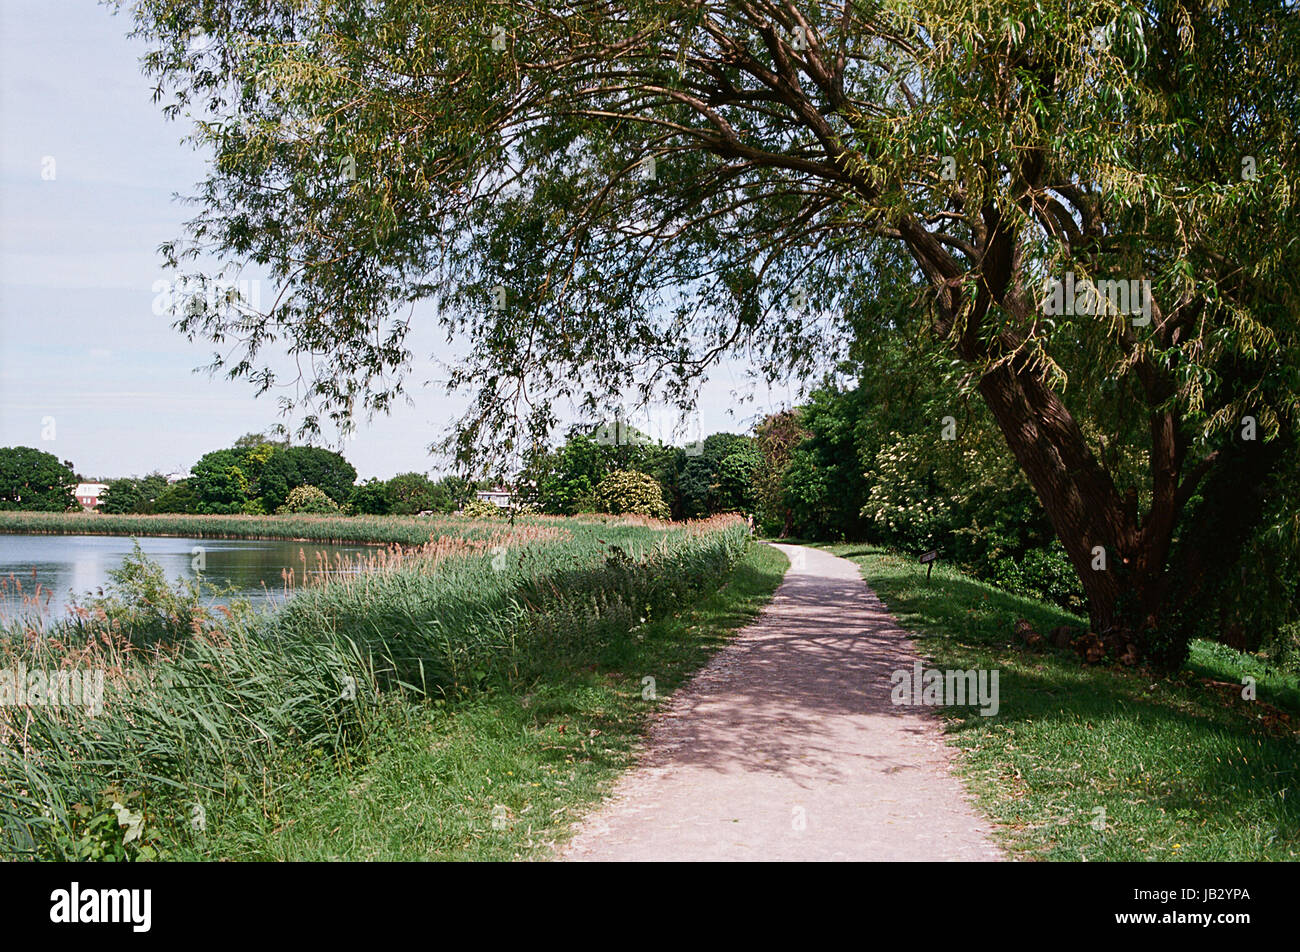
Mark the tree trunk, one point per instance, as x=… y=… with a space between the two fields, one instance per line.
x=1120 y=562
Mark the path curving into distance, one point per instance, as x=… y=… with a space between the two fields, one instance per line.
x=786 y=746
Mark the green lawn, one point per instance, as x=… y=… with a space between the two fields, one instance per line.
x=503 y=774
x=1183 y=769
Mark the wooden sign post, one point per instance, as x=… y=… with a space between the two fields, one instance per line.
x=928 y=561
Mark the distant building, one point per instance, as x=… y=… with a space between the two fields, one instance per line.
x=498 y=497
x=176 y=477
x=88 y=494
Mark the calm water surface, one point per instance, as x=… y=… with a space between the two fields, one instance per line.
x=67 y=565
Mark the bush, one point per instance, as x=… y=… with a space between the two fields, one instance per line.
x=1041 y=573
x=482 y=509
x=308 y=499
x=145 y=607
x=629 y=492
x=907 y=505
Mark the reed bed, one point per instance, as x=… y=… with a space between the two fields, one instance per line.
x=202 y=708
x=336 y=529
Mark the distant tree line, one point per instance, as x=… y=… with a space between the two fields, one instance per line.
x=592 y=471
x=259 y=475
x=256 y=476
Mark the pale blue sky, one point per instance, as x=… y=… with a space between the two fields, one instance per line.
x=79 y=341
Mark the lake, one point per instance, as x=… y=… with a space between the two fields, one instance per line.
x=67 y=564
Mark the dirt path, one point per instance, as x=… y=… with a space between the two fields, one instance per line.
x=787 y=747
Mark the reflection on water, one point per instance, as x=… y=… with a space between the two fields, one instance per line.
x=67 y=565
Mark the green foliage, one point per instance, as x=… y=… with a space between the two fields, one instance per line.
x=1042 y=573
x=719 y=477
x=35 y=481
x=566 y=478
x=457 y=489
x=807 y=196
x=904 y=504
x=308 y=499
x=823 y=482
x=626 y=491
x=372 y=498
x=482 y=509
x=220 y=482
x=113 y=829
x=734 y=489
x=146 y=608
x=132 y=495
x=776 y=438
x=1252 y=601
x=562 y=481
x=256 y=476
x=180 y=497
x=294 y=466
x=874 y=464
x=410 y=493
x=694 y=486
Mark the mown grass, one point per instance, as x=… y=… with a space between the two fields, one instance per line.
x=1183 y=768
x=503 y=774
x=238 y=709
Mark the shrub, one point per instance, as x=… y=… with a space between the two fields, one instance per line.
x=308 y=499
x=482 y=509
x=1044 y=573
x=144 y=606
x=629 y=492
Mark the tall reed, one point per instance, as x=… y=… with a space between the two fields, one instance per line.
x=236 y=705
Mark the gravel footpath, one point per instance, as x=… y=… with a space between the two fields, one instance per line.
x=786 y=746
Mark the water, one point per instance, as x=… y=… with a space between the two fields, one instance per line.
x=65 y=565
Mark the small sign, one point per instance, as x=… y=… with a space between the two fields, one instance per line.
x=930 y=556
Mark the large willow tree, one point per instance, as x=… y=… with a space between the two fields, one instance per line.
x=598 y=194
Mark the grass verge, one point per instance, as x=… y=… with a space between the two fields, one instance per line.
x=1091 y=763
x=503 y=774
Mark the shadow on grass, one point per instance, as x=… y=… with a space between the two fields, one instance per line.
x=1166 y=754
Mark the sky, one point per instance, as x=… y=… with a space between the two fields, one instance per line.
x=90 y=174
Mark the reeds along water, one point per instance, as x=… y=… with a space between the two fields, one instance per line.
x=215 y=709
x=33 y=599
x=341 y=569
x=403 y=530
